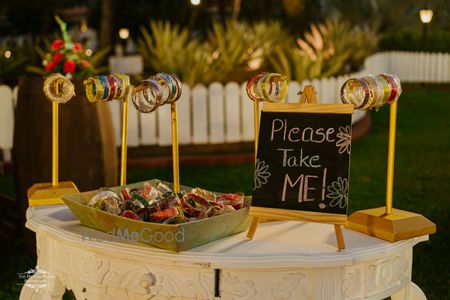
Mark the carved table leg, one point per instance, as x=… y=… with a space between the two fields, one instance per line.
x=43 y=286
x=411 y=292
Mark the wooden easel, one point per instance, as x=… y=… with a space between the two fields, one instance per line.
x=308 y=103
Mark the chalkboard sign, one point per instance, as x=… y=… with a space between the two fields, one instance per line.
x=303 y=159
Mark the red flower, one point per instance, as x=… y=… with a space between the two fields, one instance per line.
x=50 y=66
x=85 y=64
x=77 y=48
x=57 y=44
x=58 y=57
x=69 y=66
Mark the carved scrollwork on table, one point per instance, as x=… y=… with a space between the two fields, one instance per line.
x=284 y=288
x=374 y=277
x=238 y=288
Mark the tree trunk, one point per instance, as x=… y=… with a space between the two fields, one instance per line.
x=106 y=24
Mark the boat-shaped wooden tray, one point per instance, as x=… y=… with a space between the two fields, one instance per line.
x=174 y=237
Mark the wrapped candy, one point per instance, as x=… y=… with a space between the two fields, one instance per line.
x=211 y=211
x=235 y=200
x=130 y=215
x=162 y=215
x=145 y=212
x=135 y=203
x=107 y=200
x=191 y=208
x=125 y=194
x=149 y=192
x=169 y=200
x=163 y=188
x=204 y=193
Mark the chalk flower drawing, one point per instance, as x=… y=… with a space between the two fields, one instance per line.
x=338 y=192
x=261 y=174
x=344 y=139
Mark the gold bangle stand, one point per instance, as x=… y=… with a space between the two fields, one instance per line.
x=123 y=151
x=385 y=222
x=175 y=156
x=49 y=193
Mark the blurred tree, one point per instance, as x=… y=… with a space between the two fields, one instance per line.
x=441 y=17
x=236 y=10
x=28 y=16
x=293 y=7
x=106 y=28
x=391 y=15
x=295 y=14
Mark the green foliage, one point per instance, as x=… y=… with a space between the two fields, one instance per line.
x=168 y=48
x=266 y=37
x=326 y=50
x=230 y=48
x=409 y=40
x=163 y=47
x=236 y=51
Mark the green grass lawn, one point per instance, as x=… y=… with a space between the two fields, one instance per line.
x=422 y=184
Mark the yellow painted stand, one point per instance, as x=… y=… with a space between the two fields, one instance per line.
x=385 y=222
x=123 y=154
x=49 y=193
x=176 y=168
x=256 y=123
x=308 y=103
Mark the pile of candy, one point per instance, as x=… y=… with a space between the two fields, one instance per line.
x=158 y=203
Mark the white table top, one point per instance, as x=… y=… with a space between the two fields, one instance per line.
x=281 y=244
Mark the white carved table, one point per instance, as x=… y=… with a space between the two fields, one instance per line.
x=286 y=260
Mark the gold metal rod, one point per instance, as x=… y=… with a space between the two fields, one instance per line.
x=55 y=141
x=123 y=158
x=391 y=157
x=176 y=167
x=256 y=124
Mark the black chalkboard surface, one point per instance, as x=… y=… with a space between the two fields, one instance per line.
x=303 y=161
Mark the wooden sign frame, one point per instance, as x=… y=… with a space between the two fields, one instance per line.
x=308 y=103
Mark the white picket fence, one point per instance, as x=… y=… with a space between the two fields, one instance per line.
x=218 y=114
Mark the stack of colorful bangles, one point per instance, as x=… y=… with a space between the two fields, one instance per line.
x=157 y=90
x=58 y=88
x=371 y=92
x=107 y=87
x=270 y=87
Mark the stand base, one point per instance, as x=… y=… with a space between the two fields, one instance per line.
x=399 y=225
x=47 y=194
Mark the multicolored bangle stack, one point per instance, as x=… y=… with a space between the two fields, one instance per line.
x=371 y=92
x=107 y=87
x=270 y=87
x=162 y=88
x=58 y=88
